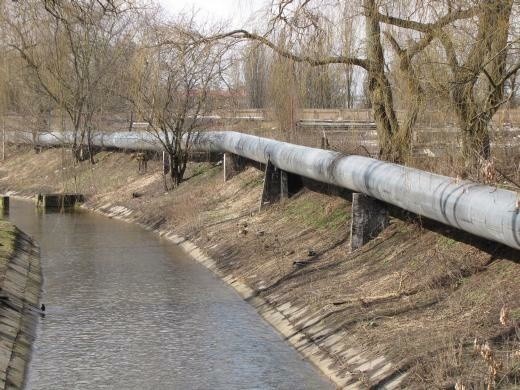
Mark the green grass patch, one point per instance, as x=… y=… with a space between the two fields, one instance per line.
x=446 y=242
x=475 y=295
x=200 y=169
x=252 y=182
x=515 y=314
x=313 y=214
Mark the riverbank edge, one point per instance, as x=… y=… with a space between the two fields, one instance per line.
x=21 y=291
x=304 y=336
x=270 y=313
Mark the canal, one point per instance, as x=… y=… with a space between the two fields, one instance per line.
x=128 y=310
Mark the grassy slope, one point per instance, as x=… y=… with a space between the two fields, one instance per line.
x=417 y=294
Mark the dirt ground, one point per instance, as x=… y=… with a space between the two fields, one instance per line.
x=420 y=294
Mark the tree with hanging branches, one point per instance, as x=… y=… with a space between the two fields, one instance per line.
x=72 y=50
x=475 y=37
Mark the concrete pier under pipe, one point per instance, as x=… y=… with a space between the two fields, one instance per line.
x=59 y=201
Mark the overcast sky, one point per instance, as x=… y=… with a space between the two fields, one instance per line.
x=236 y=11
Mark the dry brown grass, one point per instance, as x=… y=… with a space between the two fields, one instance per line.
x=419 y=293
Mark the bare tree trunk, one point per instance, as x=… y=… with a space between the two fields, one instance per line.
x=175 y=173
x=414 y=92
x=488 y=56
x=476 y=143
x=3 y=137
x=90 y=147
x=76 y=147
x=380 y=91
x=350 y=87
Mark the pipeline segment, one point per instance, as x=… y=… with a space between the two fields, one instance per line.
x=479 y=209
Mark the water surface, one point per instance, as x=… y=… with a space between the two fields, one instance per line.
x=127 y=310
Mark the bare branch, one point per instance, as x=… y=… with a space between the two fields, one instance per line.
x=244 y=34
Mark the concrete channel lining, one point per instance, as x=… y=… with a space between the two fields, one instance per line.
x=479 y=209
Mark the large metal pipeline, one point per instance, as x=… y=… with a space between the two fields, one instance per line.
x=476 y=208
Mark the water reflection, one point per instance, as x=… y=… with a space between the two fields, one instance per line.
x=126 y=310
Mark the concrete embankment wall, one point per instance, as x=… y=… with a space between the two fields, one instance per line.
x=20 y=286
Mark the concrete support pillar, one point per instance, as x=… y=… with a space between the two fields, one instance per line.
x=278 y=185
x=284 y=185
x=58 y=201
x=4 y=203
x=233 y=165
x=272 y=188
x=369 y=218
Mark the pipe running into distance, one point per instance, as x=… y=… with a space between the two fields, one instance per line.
x=479 y=209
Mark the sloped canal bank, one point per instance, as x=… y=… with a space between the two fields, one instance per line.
x=401 y=312
x=20 y=282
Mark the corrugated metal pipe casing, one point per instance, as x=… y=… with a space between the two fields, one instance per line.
x=479 y=209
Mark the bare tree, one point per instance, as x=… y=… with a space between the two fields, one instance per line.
x=406 y=52
x=298 y=19
x=475 y=37
x=475 y=44
x=72 y=52
x=255 y=75
x=349 y=46
x=173 y=86
x=318 y=86
x=283 y=93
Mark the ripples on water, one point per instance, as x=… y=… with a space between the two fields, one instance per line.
x=126 y=310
